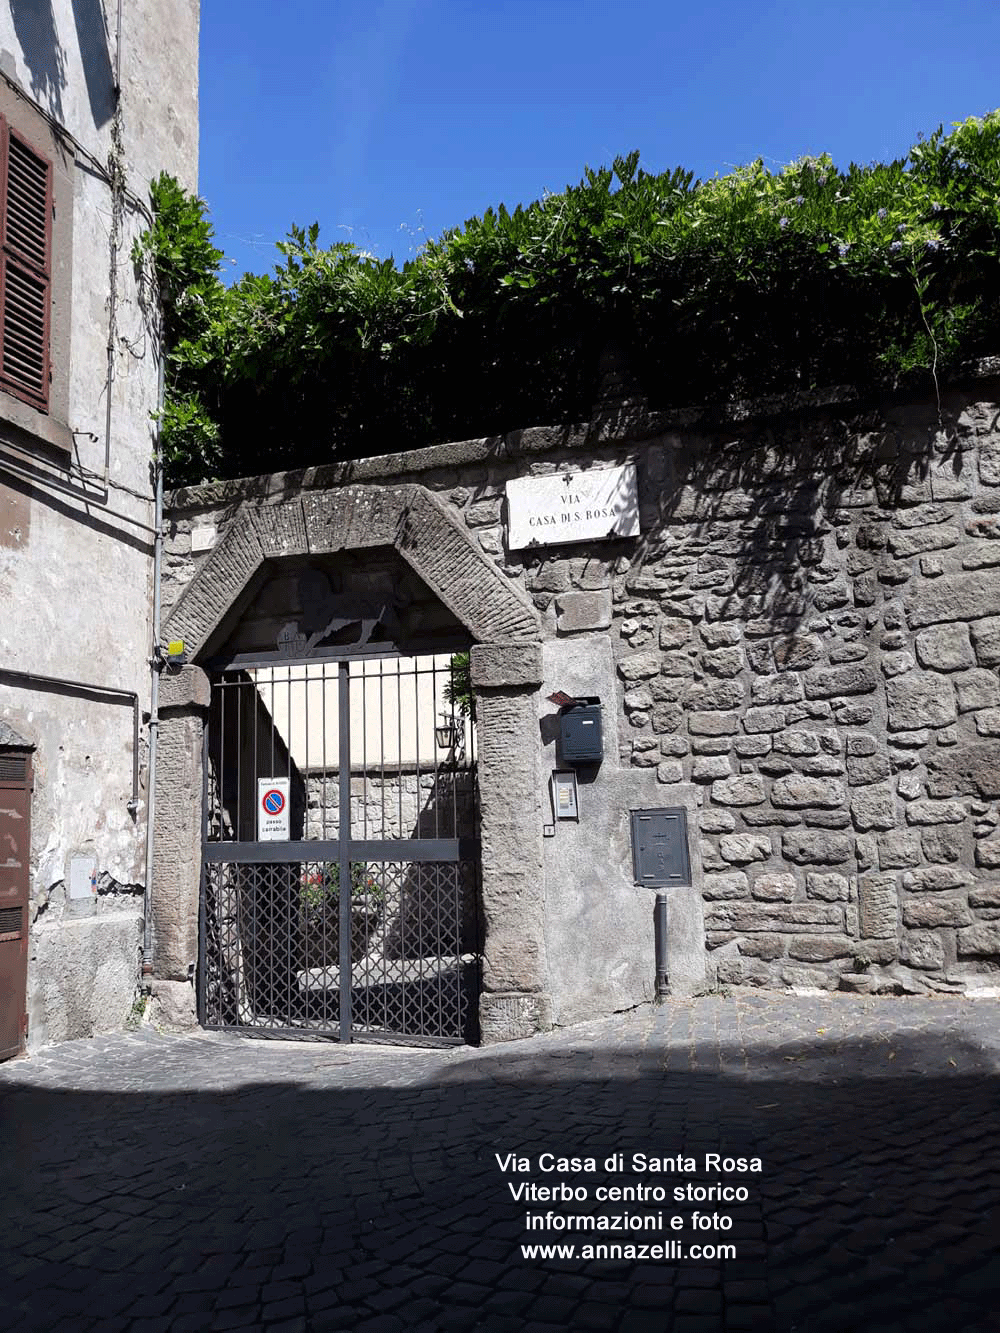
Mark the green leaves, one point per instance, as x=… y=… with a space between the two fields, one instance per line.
x=178 y=250
x=188 y=433
x=184 y=260
x=753 y=282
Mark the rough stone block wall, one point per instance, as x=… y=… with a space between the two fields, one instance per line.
x=809 y=631
x=403 y=805
x=811 y=637
x=807 y=634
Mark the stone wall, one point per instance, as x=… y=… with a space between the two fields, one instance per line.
x=401 y=805
x=804 y=643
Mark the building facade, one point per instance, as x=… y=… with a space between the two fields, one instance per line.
x=94 y=104
x=787 y=616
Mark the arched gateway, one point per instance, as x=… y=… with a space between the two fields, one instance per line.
x=303 y=748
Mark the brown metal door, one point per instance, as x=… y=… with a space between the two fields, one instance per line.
x=15 y=853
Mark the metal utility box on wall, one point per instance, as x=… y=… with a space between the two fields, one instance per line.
x=581 y=735
x=660 y=847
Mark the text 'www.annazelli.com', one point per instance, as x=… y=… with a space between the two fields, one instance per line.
x=670 y=1251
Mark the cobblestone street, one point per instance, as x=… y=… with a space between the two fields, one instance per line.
x=156 y=1182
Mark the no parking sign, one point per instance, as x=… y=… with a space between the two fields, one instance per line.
x=272 y=809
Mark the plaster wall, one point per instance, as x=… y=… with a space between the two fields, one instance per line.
x=598 y=922
x=76 y=557
x=800 y=648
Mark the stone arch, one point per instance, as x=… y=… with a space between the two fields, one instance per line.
x=506 y=673
x=409 y=518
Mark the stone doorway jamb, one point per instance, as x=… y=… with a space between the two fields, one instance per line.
x=506 y=665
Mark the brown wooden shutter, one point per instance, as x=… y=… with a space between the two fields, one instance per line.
x=25 y=270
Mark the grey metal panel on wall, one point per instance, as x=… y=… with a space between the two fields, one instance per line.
x=660 y=847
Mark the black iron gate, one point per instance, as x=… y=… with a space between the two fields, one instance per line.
x=340 y=882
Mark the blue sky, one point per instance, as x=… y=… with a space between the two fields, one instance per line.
x=389 y=121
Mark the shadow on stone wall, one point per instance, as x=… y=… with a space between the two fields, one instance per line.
x=809 y=628
x=92 y=35
x=782 y=487
x=46 y=57
x=44 y=53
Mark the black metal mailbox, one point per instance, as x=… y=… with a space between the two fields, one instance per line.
x=581 y=739
x=660 y=847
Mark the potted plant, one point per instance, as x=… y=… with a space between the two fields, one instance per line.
x=319 y=910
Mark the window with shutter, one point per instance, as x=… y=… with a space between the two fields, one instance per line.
x=37 y=187
x=25 y=270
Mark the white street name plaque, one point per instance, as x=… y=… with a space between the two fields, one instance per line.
x=572 y=507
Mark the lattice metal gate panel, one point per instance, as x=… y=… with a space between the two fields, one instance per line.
x=283 y=949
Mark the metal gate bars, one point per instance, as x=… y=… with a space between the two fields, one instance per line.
x=339 y=888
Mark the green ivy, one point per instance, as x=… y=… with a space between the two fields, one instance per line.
x=193 y=308
x=750 y=283
x=458 y=686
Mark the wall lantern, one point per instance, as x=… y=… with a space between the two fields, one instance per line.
x=446 y=735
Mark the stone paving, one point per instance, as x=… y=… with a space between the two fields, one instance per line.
x=206 y=1182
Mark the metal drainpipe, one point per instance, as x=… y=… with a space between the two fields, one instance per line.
x=660 y=929
x=154 y=694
